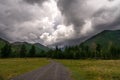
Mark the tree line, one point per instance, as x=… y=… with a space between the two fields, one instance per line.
x=95 y=51
x=8 y=52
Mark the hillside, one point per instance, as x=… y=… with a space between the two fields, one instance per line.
x=2 y=42
x=39 y=47
x=17 y=45
x=105 y=38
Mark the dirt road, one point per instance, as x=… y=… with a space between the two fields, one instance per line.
x=53 y=71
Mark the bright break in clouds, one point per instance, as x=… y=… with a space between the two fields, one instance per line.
x=52 y=22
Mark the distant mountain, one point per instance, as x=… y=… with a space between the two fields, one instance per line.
x=17 y=45
x=40 y=46
x=105 y=38
x=2 y=42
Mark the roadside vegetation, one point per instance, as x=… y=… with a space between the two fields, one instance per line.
x=12 y=67
x=93 y=69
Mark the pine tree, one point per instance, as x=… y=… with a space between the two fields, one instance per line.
x=10 y=50
x=0 y=53
x=93 y=47
x=98 y=51
x=23 y=51
x=6 y=51
x=32 y=51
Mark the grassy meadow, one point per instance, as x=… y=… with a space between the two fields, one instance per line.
x=93 y=69
x=13 y=67
x=79 y=69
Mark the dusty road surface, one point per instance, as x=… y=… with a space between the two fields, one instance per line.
x=53 y=71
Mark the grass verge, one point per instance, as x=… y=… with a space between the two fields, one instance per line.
x=12 y=67
x=93 y=69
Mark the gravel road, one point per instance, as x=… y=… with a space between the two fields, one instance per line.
x=53 y=71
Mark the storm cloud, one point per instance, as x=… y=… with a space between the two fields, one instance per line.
x=35 y=1
x=62 y=22
x=99 y=12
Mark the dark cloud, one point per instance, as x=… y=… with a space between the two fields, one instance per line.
x=106 y=19
x=76 y=11
x=35 y=1
x=111 y=0
x=20 y=21
x=109 y=26
x=102 y=14
x=71 y=11
x=57 y=22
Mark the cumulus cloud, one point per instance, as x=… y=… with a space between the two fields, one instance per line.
x=59 y=35
x=61 y=22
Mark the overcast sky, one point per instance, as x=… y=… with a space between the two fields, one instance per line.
x=56 y=21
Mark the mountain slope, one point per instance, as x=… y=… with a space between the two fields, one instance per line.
x=2 y=42
x=17 y=45
x=42 y=47
x=105 y=38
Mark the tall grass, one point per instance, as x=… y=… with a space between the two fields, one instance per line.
x=13 y=67
x=93 y=69
x=1 y=78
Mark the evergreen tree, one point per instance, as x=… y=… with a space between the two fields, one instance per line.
x=114 y=52
x=0 y=53
x=6 y=51
x=23 y=51
x=10 y=50
x=49 y=54
x=42 y=53
x=98 y=51
x=32 y=51
x=93 y=48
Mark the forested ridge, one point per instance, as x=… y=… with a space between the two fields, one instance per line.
x=104 y=45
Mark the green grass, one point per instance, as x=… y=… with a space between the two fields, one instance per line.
x=13 y=67
x=93 y=69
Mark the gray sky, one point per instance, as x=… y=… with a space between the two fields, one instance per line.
x=56 y=21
